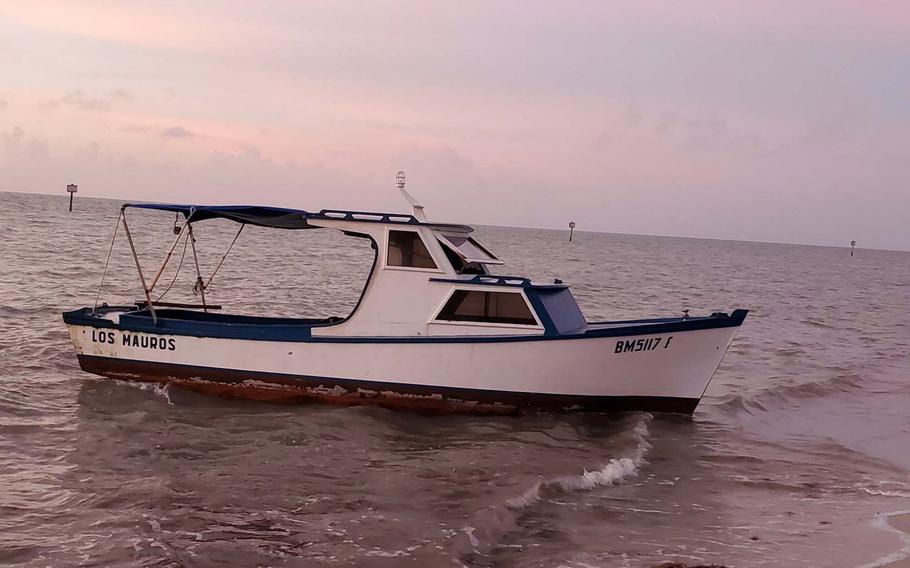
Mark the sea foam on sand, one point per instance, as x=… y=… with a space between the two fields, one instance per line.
x=897 y=522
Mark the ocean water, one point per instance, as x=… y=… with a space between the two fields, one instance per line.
x=799 y=448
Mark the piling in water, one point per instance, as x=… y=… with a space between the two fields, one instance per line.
x=71 y=189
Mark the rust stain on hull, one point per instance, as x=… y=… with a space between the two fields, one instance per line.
x=276 y=392
x=283 y=388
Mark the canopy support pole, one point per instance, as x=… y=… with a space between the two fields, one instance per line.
x=106 y=262
x=224 y=256
x=167 y=258
x=148 y=295
x=199 y=283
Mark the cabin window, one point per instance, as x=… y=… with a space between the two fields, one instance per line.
x=406 y=248
x=487 y=307
x=468 y=249
x=462 y=266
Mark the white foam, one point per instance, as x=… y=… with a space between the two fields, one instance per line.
x=885 y=493
x=881 y=522
x=491 y=524
x=163 y=391
x=473 y=539
x=886 y=488
x=615 y=471
x=159 y=389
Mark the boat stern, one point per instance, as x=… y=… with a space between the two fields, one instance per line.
x=92 y=328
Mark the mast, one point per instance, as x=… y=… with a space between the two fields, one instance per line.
x=416 y=207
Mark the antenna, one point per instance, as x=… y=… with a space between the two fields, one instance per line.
x=416 y=207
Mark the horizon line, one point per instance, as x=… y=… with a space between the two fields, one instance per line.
x=64 y=196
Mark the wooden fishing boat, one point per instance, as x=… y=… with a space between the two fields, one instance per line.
x=433 y=330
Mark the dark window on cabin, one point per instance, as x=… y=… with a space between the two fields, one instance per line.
x=469 y=247
x=460 y=266
x=488 y=307
x=406 y=248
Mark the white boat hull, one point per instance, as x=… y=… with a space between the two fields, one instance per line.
x=648 y=369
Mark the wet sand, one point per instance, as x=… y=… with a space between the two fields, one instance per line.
x=902 y=523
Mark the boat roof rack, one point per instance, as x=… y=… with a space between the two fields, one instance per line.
x=366 y=216
x=387 y=218
x=495 y=280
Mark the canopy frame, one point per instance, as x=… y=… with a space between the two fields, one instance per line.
x=145 y=288
x=262 y=216
x=190 y=212
x=269 y=217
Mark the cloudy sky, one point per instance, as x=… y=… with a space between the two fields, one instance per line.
x=771 y=120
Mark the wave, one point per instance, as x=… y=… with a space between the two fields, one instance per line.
x=784 y=395
x=161 y=390
x=887 y=488
x=493 y=523
x=613 y=472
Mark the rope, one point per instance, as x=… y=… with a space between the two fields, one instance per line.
x=182 y=256
x=107 y=262
x=223 y=257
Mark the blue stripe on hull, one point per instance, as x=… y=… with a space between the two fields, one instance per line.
x=277 y=387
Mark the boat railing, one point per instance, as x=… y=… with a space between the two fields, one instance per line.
x=143 y=304
x=497 y=280
x=390 y=218
x=502 y=280
x=367 y=216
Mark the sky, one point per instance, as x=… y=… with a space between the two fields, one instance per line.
x=769 y=120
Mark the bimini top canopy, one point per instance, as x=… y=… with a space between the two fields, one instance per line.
x=281 y=218
x=274 y=217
